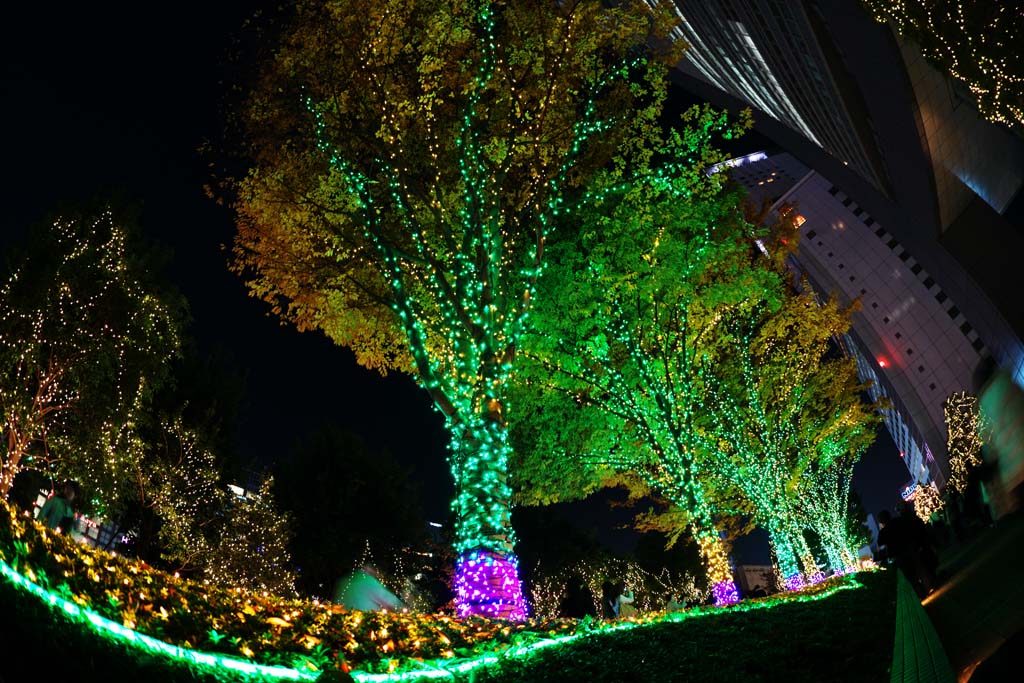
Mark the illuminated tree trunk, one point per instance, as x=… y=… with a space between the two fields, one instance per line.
x=812 y=574
x=487 y=571
x=713 y=552
x=789 y=565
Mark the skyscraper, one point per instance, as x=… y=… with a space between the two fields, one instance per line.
x=911 y=338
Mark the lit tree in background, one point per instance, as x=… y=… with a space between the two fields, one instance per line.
x=778 y=405
x=627 y=311
x=963 y=441
x=408 y=162
x=85 y=338
x=252 y=550
x=974 y=41
x=187 y=495
x=823 y=501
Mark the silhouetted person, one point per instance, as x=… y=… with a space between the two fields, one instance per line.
x=609 y=600
x=901 y=540
x=1001 y=404
x=58 y=511
x=921 y=543
x=578 y=601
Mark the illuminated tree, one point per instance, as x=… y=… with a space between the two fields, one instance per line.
x=408 y=159
x=85 y=338
x=964 y=438
x=973 y=41
x=780 y=411
x=252 y=549
x=823 y=501
x=187 y=495
x=627 y=312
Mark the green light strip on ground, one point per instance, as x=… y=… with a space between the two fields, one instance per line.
x=436 y=669
x=108 y=629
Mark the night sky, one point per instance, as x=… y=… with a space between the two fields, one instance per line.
x=104 y=98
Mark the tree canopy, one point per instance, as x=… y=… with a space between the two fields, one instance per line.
x=408 y=159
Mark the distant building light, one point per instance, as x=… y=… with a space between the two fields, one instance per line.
x=237 y=490
x=738 y=161
x=434 y=524
x=760 y=245
x=799 y=220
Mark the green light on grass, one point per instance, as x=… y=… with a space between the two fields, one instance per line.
x=447 y=669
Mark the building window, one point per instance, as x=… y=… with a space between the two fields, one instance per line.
x=916 y=268
x=920 y=368
x=880 y=232
x=978 y=344
x=966 y=328
x=932 y=386
x=929 y=281
x=832 y=190
x=811 y=234
x=904 y=256
x=847 y=201
x=953 y=312
x=940 y=297
x=799 y=220
x=910 y=352
x=852 y=278
x=841 y=266
x=885 y=320
x=892 y=243
x=899 y=336
x=869 y=221
x=863 y=291
x=874 y=304
x=830 y=254
x=858 y=211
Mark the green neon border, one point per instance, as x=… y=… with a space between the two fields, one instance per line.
x=211 y=662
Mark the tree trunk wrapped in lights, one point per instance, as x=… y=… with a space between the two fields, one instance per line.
x=782 y=412
x=824 y=504
x=409 y=160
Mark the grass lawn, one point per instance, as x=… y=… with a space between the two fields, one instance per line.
x=846 y=637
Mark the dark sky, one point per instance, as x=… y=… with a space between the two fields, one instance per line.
x=103 y=97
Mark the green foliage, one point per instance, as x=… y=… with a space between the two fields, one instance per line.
x=627 y=307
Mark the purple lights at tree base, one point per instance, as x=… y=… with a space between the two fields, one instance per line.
x=487 y=584
x=726 y=593
x=793 y=582
x=816 y=577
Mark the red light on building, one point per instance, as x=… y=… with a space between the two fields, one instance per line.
x=882 y=363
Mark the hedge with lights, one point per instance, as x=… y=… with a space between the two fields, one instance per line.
x=233 y=632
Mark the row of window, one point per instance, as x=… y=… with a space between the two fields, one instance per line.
x=966 y=329
x=928 y=281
